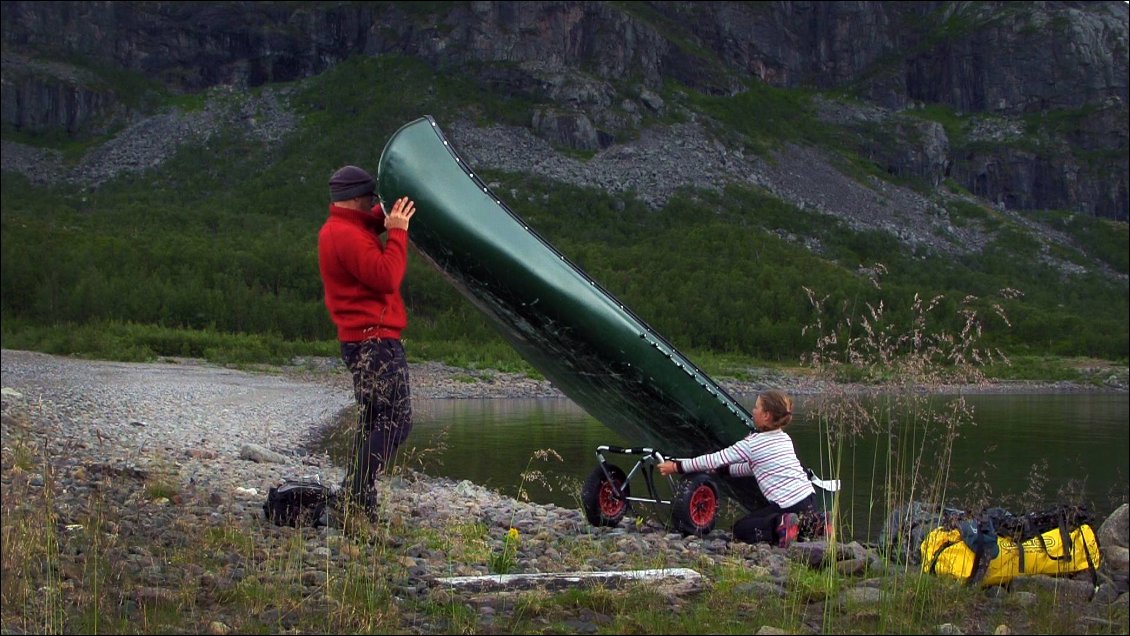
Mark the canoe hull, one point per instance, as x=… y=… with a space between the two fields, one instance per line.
x=581 y=338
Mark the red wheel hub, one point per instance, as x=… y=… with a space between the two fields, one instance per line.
x=610 y=504
x=703 y=506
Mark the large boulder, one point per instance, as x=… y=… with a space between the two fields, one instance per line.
x=1114 y=543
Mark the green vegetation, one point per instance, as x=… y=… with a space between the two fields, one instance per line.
x=963 y=213
x=213 y=254
x=360 y=577
x=1104 y=240
x=766 y=116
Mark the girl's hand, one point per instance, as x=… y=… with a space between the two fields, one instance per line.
x=668 y=468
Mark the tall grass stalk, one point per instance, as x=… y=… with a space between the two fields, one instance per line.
x=29 y=544
x=896 y=363
x=504 y=557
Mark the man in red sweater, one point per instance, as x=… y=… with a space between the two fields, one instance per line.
x=362 y=280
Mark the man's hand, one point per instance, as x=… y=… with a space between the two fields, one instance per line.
x=400 y=215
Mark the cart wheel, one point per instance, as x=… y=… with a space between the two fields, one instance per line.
x=696 y=505
x=598 y=496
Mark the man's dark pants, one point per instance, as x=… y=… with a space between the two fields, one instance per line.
x=380 y=386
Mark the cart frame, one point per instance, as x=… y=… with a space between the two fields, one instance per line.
x=606 y=494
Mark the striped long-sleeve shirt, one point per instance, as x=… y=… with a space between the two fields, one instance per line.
x=769 y=457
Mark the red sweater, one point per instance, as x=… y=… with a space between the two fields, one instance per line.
x=362 y=277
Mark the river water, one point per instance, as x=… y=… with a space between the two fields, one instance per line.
x=1020 y=451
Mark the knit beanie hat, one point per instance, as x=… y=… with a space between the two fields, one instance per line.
x=350 y=182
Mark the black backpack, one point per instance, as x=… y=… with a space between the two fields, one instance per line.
x=299 y=503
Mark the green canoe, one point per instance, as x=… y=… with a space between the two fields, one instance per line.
x=581 y=338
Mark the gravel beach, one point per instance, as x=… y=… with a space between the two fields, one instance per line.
x=194 y=418
x=220 y=437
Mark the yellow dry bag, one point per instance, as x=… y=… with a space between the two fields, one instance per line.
x=1055 y=552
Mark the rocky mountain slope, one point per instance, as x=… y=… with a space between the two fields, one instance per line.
x=654 y=167
x=1010 y=74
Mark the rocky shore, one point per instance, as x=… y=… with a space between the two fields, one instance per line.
x=167 y=450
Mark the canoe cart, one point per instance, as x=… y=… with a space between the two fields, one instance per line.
x=607 y=494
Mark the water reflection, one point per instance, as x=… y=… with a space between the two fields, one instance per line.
x=1058 y=445
x=492 y=442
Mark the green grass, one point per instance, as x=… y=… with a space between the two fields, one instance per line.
x=362 y=596
x=146 y=343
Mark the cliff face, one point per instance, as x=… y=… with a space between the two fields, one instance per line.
x=1005 y=67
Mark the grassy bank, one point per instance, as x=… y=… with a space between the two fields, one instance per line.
x=130 y=342
x=141 y=558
